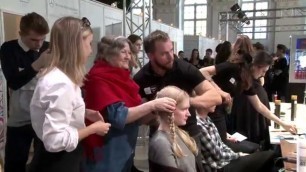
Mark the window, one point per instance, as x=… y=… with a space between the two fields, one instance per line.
x=257 y=29
x=195 y=16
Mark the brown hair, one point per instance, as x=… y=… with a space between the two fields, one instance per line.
x=134 y=61
x=133 y=38
x=149 y=41
x=178 y=95
x=33 y=22
x=244 y=48
x=66 y=47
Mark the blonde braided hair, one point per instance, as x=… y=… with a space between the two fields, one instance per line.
x=178 y=95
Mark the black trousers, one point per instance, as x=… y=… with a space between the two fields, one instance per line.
x=244 y=146
x=18 y=142
x=44 y=161
x=256 y=162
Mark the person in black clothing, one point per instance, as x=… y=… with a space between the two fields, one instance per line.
x=195 y=59
x=233 y=78
x=247 y=120
x=181 y=55
x=224 y=52
x=268 y=79
x=21 y=59
x=162 y=70
x=258 y=47
x=208 y=60
x=217 y=49
x=281 y=73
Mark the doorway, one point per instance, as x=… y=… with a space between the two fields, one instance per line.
x=9 y=30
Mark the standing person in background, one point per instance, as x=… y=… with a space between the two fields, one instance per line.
x=135 y=65
x=224 y=52
x=195 y=59
x=281 y=73
x=163 y=70
x=57 y=107
x=181 y=55
x=217 y=49
x=21 y=59
x=208 y=60
x=258 y=47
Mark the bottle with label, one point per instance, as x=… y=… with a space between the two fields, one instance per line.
x=277 y=112
x=293 y=107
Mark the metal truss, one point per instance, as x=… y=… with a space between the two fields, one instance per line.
x=133 y=27
x=229 y=20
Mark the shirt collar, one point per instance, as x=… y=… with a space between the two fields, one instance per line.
x=23 y=46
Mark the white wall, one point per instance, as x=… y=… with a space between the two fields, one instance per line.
x=283 y=37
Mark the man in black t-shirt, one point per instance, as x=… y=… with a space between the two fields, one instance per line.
x=162 y=70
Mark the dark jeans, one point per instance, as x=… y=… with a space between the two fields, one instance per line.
x=17 y=147
x=256 y=162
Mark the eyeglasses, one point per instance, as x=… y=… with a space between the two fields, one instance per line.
x=85 y=22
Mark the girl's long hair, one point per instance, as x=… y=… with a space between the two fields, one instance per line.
x=243 y=48
x=178 y=95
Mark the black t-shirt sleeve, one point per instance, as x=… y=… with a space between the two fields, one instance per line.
x=250 y=92
x=191 y=74
x=226 y=67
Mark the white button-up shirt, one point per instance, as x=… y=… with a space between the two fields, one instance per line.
x=57 y=111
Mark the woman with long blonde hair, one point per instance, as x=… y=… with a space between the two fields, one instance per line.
x=171 y=148
x=57 y=107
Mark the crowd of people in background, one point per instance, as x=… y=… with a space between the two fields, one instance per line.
x=89 y=122
x=276 y=78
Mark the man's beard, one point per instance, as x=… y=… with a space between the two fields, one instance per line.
x=162 y=66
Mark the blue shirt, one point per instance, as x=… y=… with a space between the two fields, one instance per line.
x=119 y=144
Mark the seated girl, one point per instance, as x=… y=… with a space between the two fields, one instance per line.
x=171 y=149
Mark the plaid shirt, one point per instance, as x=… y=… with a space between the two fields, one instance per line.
x=215 y=153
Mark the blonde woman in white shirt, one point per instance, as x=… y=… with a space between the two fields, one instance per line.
x=57 y=107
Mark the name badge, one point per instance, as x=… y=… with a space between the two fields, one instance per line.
x=232 y=80
x=147 y=90
x=150 y=90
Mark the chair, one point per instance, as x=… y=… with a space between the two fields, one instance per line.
x=288 y=150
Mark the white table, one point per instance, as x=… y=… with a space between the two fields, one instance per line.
x=299 y=121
